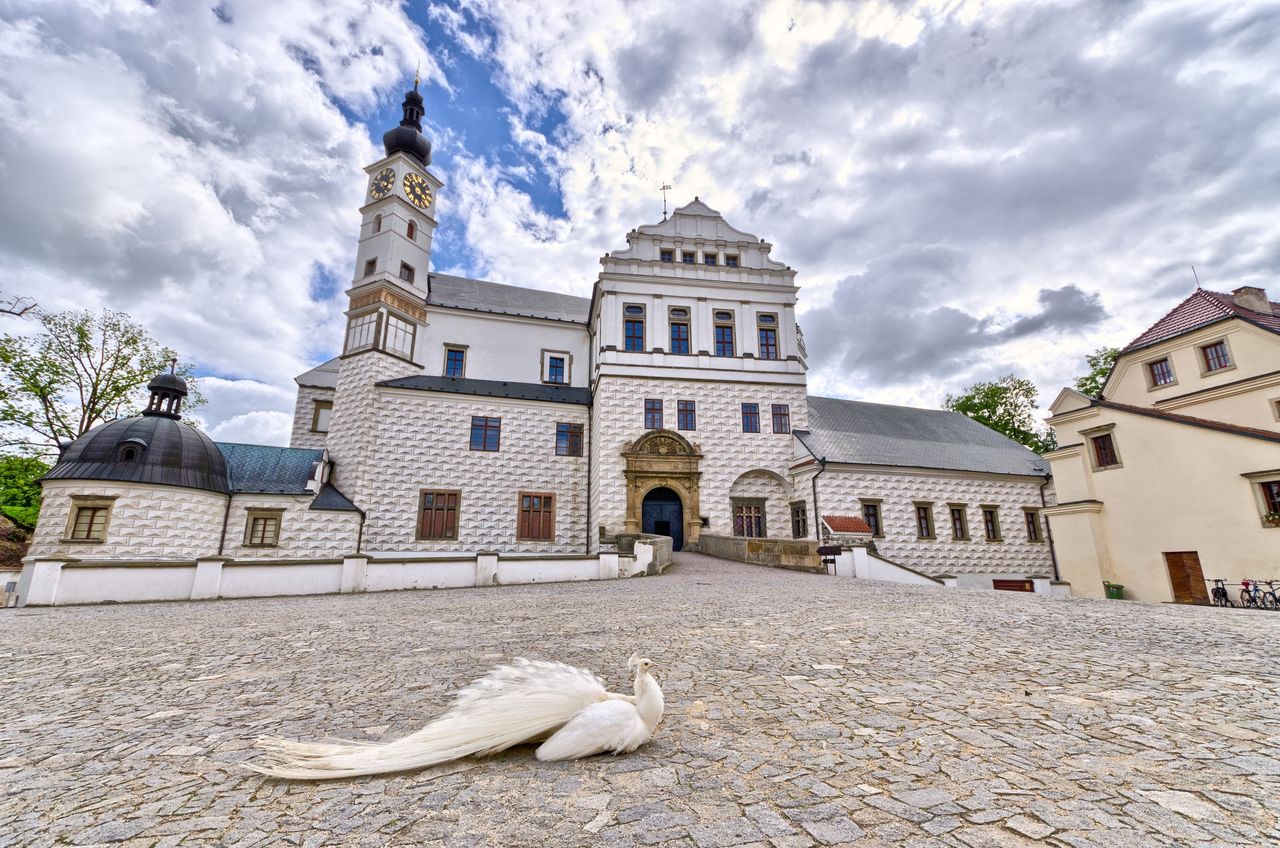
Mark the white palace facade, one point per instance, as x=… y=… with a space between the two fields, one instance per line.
x=476 y=433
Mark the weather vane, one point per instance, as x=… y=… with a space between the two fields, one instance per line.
x=416 y=72
x=666 y=187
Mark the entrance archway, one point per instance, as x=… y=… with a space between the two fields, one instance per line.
x=662 y=514
x=664 y=459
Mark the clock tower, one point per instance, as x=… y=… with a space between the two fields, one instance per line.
x=386 y=310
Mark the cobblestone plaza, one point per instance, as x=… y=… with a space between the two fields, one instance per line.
x=801 y=710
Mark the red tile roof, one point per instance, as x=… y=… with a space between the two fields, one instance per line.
x=846 y=524
x=1199 y=310
x=1207 y=423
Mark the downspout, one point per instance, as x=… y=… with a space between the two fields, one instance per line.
x=1048 y=530
x=360 y=531
x=226 y=517
x=817 y=513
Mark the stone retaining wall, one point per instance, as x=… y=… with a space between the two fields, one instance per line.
x=793 y=554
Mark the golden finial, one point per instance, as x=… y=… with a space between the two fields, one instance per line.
x=416 y=72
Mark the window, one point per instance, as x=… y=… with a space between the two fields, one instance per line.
x=959 y=523
x=633 y=327
x=406 y=272
x=370 y=267
x=871 y=515
x=455 y=361
x=568 y=440
x=688 y=257
x=412 y=231
x=799 y=521
x=724 y=340
x=1271 y=495
x=321 y=412
x=781 y=418
x=1033 y=526
x=88 y=520
x=686 y=415
x=730 y=260
x=486 y=433
x=991 y=523
x=665 y=255
x=438 y=514
x=751 y=418
x=1161 y=372
x=555 y=369
x=708 y=258
x=924 y=521
x=377 y=223
x=537 y=521
x=679 y=322
x=362 y=332
x=1104 y=451
x=748 y=518
x=1215 y=356
x=262 y=528
x=652 y=414
x=398 y=338
x=768 y=343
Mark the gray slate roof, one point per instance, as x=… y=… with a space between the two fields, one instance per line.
x=267 y=469
x=332 y=500
x=493 y=388
x=861 y=433
x=323 y=376
x=483 y=296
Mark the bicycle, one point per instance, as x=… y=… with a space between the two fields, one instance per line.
x=1250 y=594
x=1219 y=594
x=1269 y=599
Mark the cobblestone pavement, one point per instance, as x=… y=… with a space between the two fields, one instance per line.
x=801 y=710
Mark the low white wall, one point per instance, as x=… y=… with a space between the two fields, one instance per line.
x=858 y=562
x=58 y=581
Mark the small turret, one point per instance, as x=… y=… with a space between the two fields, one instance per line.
x=167 y=391
x=408 y=136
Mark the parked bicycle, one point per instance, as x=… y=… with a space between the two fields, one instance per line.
x=1269 y=599
x=1219 y=594
x=1251 y=595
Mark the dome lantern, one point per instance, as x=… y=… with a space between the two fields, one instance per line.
x=167 y=391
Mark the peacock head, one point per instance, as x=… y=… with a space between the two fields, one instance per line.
x=640 y=665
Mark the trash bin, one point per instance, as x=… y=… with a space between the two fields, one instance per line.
x=1115 y=591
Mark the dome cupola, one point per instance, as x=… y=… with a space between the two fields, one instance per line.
x=408 y=137
x=167 y=393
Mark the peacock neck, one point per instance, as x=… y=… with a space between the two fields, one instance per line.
x=649 y=700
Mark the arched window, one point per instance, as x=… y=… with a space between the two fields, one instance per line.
x=413 y=230
x=377 y=223
x=128 y=454
x=130 y=450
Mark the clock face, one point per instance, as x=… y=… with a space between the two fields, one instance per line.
x=417 y=190
x=382 y=184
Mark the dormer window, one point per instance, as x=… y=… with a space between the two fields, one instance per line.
x=412 y=231
x=665 y=255
x=130 y=450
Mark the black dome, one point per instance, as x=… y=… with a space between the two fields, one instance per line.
x=153 y=449
x=168 y=382
x=408 y=137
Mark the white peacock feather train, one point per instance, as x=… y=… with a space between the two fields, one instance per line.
x=527 y=701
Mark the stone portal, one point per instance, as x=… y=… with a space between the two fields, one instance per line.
x=664 y=460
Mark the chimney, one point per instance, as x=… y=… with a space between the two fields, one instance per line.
x=1252 y=297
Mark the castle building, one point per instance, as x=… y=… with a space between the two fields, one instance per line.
x=469 y=419
x=1171 y=477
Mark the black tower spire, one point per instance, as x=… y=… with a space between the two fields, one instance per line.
x=408 y=136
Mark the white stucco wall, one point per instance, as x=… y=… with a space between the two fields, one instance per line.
x=840 y=490
x=727 y=451
x=423 y=441
x=146 y=522
x=303 y=415
x=304 y=533
x=501 y=347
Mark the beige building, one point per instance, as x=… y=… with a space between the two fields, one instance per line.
x=1172 y=476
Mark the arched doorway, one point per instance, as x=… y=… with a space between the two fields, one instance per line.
x=662 y=514
x=664 y=459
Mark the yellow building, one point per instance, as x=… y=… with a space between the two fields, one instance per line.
x=1172 y=476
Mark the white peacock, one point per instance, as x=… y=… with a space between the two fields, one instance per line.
x=566 y=708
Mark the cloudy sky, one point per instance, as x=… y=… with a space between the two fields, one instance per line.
x=966 y=189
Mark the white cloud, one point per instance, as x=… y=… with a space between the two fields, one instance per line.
x=254 y=428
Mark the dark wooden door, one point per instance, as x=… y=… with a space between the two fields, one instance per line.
x=1186 y=577
x=662 y=514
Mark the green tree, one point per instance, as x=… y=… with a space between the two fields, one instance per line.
x=20 y=489
x=1007 y=406
x=80 y=370
x=1101 y=361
